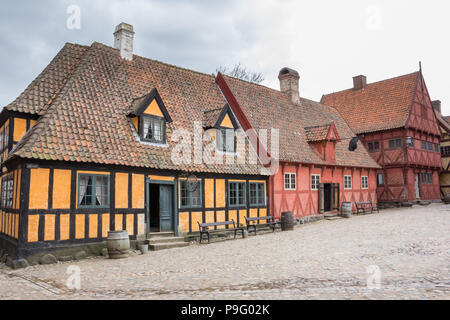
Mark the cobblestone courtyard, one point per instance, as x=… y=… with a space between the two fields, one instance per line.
x=321 y=260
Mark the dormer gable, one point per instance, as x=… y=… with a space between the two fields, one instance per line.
x=323 y=139
x=225 y=123
x=150 y=117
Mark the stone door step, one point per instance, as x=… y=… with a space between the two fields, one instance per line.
x=165 y=240
x=161 y=234
x=167 y=245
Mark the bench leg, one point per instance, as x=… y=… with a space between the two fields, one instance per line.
x=242 y=233
x=201 y=237
x=209 y=240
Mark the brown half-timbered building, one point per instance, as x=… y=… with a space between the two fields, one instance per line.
x=444 y=126
x=89 y=147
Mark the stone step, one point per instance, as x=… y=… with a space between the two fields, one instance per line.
x=165 y=240
x=168 y=234
x=167 y=245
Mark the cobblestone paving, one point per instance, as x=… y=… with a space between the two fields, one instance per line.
x=321 y=260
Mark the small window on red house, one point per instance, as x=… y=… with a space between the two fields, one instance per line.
x=374 y=146
x=395 y=143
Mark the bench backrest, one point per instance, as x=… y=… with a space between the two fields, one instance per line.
x=248 y=219
x=364 y=203
x=213 y=224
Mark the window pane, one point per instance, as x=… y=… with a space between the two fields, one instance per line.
x=253 y=194
x=158 y=129
x=261 y=194
x=147 y=130
x=196 y=195
x=101 y=190
x=85 y=190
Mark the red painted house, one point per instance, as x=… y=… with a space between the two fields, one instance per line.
x=394 y=119
x=317 y=171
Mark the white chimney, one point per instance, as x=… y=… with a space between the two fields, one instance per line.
x=289 y=83
x=123 y=40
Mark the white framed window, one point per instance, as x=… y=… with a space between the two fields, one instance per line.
x=347 y=182
x=315 y=181
x=364 y=182
x=290 y=181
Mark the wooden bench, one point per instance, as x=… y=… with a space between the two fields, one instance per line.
x=270 y=221
x=205 y=228
x=363 y=207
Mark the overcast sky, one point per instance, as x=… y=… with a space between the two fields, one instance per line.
x=327 y=42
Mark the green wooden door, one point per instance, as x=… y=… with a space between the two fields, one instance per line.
x=166 y=207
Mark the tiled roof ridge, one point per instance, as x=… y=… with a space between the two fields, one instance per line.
x=369 y=84
x=157 y=61
x=255 y=84
x=35 y=132
x=318 y=126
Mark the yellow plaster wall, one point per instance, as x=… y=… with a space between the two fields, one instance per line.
x=105 y=225
x=209 y=193
x=196 y=217
x=220 y=193
x=39 y=180
x=134 y=121
x=130 y=224
x=226 y=122
x=49 y=228
x=64 y=227
x=79 y=226
x=93 y=225
x=184 y=222
x=118 y=220
x=121 y=190
x=161 y=178
x=61 y=189
x=20 y=128
x=153 y=109
x=33 y=227
x=138 y=191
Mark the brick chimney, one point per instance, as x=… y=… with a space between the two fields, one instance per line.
x=289 y=83
x=437 y=106
x=123 y=40
x=359 y=82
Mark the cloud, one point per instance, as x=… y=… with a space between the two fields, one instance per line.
x=326 y=41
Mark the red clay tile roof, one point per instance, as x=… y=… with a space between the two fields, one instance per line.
x=41 y=92
x=317 y=133
x=378 y=106
x=210 y=117
x=268 y=108
x=87 y=119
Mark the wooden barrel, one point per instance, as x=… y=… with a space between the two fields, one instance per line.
x=118 y=244
x=346 y=209
x=287 y=221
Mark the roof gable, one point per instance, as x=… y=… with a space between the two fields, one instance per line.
x=378 y=106
x=266 y=108
x=87 y=120
x=150 y=104
x=220 y=118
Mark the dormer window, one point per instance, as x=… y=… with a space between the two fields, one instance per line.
x=153 y=129
x=226 y=140
x=225 y=125
x=150 y=117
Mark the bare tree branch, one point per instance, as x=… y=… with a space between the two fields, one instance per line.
x=241 y=72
